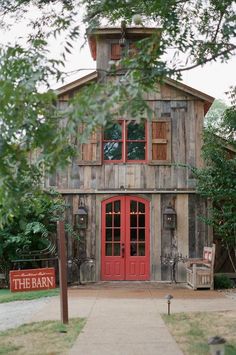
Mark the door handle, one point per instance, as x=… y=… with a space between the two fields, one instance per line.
x=123 y=250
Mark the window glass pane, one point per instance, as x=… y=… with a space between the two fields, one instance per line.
x=108 y=234
x=141 y=207
x=141 y=218
x=108 y=249
x=116 y=249
x=141 y=234
x=108 y=220
x=135 y=131
x=117 y=220
x=133 y=234
x=117 y=206
x=133 y=206
x=117 y=235
x=108 y=207
x=112 y=151
x=133 y=220
x=141 y=249
x=136 y=151
x=133 y=249
x=113 y=133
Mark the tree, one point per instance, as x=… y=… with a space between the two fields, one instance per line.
x=200 y=31
x=217 y=180
x=33 y=230
x=215 y=114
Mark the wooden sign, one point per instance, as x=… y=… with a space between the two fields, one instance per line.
x=32 y=279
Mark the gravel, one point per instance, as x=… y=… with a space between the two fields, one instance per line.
x=231 y=293
x=13 y=314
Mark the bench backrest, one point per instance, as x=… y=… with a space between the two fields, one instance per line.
x=209 y=255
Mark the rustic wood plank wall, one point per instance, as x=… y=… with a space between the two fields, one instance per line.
x=199 y=233
x=182 y=237
x=155 y=236
x=166 y=235
x=190 y=237
x=186 y=115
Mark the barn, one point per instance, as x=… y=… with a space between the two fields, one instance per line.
x=135 y=204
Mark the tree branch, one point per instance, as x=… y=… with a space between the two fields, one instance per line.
x=218 y=27
x=207 y=60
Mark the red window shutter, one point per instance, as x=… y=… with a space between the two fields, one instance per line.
x=160 y=142
x=115 y=51
x=90 y=153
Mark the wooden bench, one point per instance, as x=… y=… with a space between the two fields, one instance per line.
x=200 y=272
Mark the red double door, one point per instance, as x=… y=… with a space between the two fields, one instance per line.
x=125 y=239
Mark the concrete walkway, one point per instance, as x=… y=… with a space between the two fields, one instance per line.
x=125 y=327
x=124 y=319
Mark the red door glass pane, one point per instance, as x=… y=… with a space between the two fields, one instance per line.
x=137 y=228
x=112 y=226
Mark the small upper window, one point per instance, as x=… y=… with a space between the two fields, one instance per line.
x=117 y=51
x=125 y=141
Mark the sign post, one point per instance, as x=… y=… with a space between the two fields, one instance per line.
x=62 y=271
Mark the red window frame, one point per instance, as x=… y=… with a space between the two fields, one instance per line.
x=124 y=141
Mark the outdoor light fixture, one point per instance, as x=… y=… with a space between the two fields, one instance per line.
x=122 y=42
x=169 y=218
x=81 y=217
x=217 y=345
x=168 y=298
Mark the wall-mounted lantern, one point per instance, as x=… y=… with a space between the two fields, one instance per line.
x=169 y=218
x=81 y=218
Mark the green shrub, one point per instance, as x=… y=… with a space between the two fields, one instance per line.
x=223 y=281
x=32 y=229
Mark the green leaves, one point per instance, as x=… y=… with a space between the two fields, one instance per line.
x=217 y=180
x=32 y=225
x=200 y=31
x=31 y=140
x=36 y=228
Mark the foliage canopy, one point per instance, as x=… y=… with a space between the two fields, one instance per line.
x=217 y=180
x=197 y=31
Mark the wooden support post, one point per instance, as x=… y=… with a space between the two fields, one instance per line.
x=194 y=276
x=62 y=271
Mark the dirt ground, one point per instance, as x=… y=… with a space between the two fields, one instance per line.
x=138 y=289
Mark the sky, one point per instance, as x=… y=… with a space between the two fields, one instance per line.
x=213 y=78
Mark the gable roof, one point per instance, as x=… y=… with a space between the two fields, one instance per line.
x=76 y=84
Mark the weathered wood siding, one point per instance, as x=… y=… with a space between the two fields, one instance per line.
x=185 y=115
x=190 y=236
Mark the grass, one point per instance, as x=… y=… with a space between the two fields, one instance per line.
x=192 y=330
x=41 y=338
x=8 y=296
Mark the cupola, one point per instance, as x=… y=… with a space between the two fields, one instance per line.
x=109 y=43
